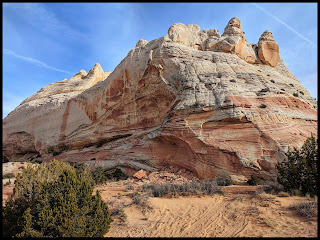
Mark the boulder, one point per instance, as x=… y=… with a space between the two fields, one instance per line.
x=141 y=174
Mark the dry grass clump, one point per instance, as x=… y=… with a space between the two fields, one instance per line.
x=267 y=222
x=306 y=209
x=8 y=175
x=272 y=187
x=223 y=180
x=206 y=187
x=283 y=194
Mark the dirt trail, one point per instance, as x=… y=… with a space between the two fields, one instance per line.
x=242 y=215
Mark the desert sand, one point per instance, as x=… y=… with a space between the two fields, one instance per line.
x=228 y=215
x=241 y=211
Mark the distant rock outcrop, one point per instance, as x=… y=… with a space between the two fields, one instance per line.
x=194 y=99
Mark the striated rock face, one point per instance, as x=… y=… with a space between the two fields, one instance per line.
x=194 y=99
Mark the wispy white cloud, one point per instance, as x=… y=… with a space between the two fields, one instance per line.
x=43 y=19
x=33 y=61
x=285 y=24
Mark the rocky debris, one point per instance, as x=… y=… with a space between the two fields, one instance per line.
x=141 y=174
x=197 y=100
x=170 y=174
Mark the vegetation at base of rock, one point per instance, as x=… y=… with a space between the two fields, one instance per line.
x=101 y=175
x=262 y=106
x=273 y=187
x=253 y=180
x=300 y=170
x=55 y=201
x=206 y=187
x=5 y=159
x=223 y=180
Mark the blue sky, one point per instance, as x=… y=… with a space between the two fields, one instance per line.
x=46 y=42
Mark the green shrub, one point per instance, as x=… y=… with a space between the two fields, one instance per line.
x=55 y=201
x=300 y=169
x=253 y=180
x=99 y=176
x=295 y=94
x=262 y=106
x=54 y=153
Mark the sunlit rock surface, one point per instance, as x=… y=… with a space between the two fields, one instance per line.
x=195 y=99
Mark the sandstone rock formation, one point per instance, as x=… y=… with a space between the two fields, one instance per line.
x=194 y=99
x=268 y=49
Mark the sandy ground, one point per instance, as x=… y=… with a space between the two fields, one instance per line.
x=228 y=215
x=242 y=211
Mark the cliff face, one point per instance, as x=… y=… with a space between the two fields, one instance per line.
x=195 y=99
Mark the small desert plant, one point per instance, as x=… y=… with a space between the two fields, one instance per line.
x=223 y=180
x=122 y=214
x=8 y=183
x=140 y=198
x=206 y=187
x=54 y=153
x=283 y=194
x=129 y=187
x=253 y=180
x=267 y=222
x=295 y=94
x=272 y=187
x=306 y=209
x=8 y=175
x=262 y=106
x=232 y=80
x=295 y=192
x=5 y=159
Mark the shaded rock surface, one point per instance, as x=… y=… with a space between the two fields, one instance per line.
x=194 y=99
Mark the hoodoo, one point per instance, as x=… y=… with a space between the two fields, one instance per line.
x=198 y=100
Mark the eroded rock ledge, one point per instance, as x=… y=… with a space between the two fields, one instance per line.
x=198 y=100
